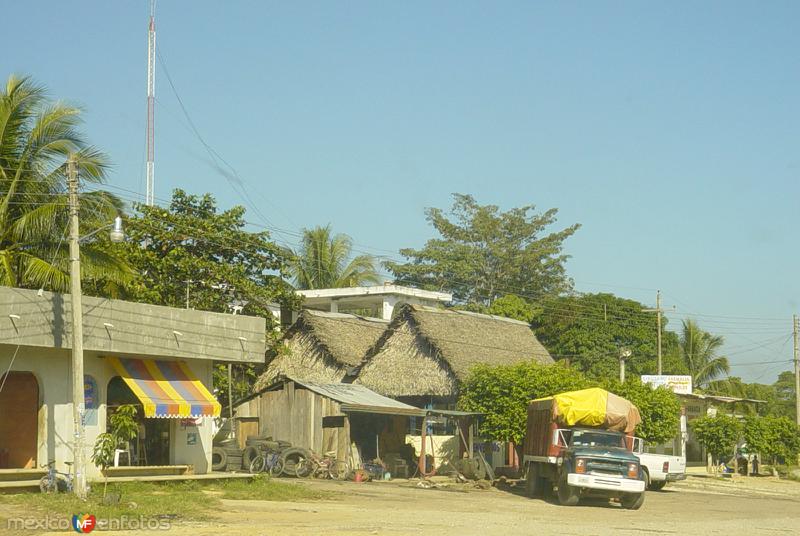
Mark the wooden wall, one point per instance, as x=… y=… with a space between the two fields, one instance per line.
x=295 y=414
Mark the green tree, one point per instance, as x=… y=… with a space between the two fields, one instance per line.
x=719 y=435
x=509 y=306
x=37 y=136
x=785 y=395
x=502 y=394
x=192 y=247
x=699 y=349
x=124 y=428
x=589 y=331
x=659 y=408
x=483 y=253
x=323 y=261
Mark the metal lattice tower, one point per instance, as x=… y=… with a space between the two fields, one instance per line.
x=151 y=97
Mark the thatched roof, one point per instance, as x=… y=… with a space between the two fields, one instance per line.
x=429 y=351
x=322 y=347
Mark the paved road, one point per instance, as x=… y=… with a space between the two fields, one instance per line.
x=392 y=509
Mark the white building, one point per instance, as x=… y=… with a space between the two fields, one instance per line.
x=158 y=358
x=378 y=301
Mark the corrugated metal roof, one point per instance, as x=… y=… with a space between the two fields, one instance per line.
x=354 y=395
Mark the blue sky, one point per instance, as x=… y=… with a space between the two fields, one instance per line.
x=668 y=130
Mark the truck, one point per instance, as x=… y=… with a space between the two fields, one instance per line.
x=581 y=443
x=659 y=469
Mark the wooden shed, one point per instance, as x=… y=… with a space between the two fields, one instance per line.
x=330 y=417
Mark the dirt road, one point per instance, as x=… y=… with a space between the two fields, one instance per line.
x=694 y=507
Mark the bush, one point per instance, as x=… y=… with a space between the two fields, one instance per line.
x=502 y=393
x=718 y=435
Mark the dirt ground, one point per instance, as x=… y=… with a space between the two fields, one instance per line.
x=697 y=506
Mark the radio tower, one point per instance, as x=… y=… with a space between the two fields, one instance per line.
x=151 y=96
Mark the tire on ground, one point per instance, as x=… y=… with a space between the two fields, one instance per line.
x=632 y=501
x=234 y=463
x=219 y=459
x=567 y=495
x=290 y=458
x=248 y=455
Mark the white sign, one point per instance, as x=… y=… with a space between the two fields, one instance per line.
x=681 y=385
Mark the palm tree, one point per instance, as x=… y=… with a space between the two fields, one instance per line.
x=322 y=262
x=36 y=138
x=699 y=352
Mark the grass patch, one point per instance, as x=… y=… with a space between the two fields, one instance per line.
x=267 y=489
x=188 y=500
x=178 y=501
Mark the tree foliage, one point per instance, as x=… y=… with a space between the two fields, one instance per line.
x=590 y=330
x=194 y=247
x=502 y=394
x=324 y=261
x=699 y=349
x=37 y=136
x=659 y=408
x=776 y=438
x=482 y=253
x=719 y=434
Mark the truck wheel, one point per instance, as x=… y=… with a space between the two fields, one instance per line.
x=646 y=475
x=632 y=501
x=657 y=486
x=545 y=487
x=532 y=481
x=567 y=495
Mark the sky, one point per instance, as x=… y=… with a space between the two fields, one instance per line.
x=668 y=130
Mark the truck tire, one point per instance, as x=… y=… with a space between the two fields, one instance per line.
x=219 y=459
x=646 y=477
x=657 y=486
x=567 y=495
x=632 y=501
x=248 y=455
x=532 y=481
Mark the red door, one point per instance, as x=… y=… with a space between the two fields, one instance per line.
x=19 y=420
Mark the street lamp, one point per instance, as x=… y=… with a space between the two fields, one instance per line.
x=116 y=234
x=624 y=354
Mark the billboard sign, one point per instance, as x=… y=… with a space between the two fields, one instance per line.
x=681 y=385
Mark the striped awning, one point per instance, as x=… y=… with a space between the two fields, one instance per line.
x=167 y=389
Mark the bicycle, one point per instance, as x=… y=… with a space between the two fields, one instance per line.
x=269 y=462
x=55 y=480
x=326 y=467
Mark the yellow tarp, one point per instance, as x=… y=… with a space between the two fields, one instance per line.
x=595 y=407
x=587 y=407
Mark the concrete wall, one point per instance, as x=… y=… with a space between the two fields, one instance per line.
x=133 y=329
x=51 y=367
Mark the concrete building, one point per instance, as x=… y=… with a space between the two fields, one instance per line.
x=158 y=358
x=378 y=301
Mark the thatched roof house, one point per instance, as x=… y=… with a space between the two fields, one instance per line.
x=428 y=352
x=322 y=347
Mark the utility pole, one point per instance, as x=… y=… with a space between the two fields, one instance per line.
x=78 y=401
x=658 y=312
x=796 y=370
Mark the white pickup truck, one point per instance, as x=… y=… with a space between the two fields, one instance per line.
x=659 y=469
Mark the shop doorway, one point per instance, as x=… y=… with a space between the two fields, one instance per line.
x=151 y=447
x=19 y=420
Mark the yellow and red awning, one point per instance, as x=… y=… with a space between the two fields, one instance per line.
x=166 y=388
